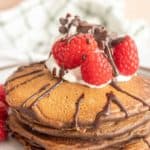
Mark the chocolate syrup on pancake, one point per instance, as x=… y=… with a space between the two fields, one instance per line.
x=118 y=88
x=54 y=72
x=110 y=58
x=76 y=114
x=106 y=109
x=29 y=65
x=24 y=75
x=26 y=81
x=47 y=92
x=37 y=92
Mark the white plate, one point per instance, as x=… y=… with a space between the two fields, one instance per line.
x=11 y=144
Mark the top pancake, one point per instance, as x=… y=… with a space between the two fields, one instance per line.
x=59 y=108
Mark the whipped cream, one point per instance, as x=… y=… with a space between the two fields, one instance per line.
x=122 y=78
x=74 y=75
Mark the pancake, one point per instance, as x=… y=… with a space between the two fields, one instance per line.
x=55 y=143
x=106 y=130
x=35 y=92
x=45 y=115
x=141 y=143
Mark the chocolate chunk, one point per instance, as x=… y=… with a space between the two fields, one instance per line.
x=116 y=41
x=63 y=21
x=63 y=29
x=68 y=15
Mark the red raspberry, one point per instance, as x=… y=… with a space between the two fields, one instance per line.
x=96 y=69
x=68 y=53
x=126 y=56
x=3 y=111
x=2 y=93
x=3 y=131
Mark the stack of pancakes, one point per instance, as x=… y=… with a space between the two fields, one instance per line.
x=52 y=114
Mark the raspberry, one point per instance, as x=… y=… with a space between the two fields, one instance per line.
x=68 y=53
x=3 y=110
x=96 y=69
x=126 y=56
x=3 y=131
x=2 y=93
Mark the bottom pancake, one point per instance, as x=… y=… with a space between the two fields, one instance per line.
x=55 y=143
x=142 y=143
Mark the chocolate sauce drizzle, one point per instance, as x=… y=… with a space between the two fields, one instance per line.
x=106 y=110
x=26 y=81
x=61 y=73
x=76 y=114
x=46 y=93
x=24 y=75
x=54 y=72
x=116 y=41
x=38 y=73
x=34 y=94
x=110 y=58
x=29 y=65
x=118 y=88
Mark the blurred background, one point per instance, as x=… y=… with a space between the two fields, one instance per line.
x=29 y=27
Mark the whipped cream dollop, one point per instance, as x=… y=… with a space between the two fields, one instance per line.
x=74 y=75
